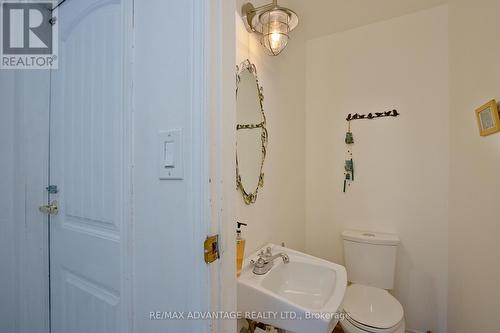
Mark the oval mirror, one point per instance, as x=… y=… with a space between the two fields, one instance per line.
x=251 y=132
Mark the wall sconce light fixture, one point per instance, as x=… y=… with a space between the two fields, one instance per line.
x=272 y=22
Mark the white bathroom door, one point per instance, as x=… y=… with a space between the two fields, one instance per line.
x=89 y=166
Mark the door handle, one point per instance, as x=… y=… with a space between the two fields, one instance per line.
x=50 y=209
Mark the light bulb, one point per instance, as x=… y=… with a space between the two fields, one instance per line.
x=275 y=40
x=275 y=29
x=275 y=37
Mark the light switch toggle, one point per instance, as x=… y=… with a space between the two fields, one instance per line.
x=170 y=154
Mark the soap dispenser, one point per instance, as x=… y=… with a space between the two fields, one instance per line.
x=240 y=248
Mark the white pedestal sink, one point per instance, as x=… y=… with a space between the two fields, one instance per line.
x=302 y=296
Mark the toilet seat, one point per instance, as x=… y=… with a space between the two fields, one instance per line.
x=350 y=327
x=372 y=309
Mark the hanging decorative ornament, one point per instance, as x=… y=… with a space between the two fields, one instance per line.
x=349 y=168
x=349 y=138
x=349 y=163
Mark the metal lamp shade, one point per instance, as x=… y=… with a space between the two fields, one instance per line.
x=275 y=30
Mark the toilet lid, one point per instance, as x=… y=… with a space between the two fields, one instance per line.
x=372 y=306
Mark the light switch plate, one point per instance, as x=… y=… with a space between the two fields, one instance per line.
x=170 y=155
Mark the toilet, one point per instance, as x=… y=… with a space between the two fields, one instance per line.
x=370 y=260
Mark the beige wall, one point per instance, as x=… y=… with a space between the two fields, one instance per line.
x=474 y=270
x=401 y=165
x=279 y=213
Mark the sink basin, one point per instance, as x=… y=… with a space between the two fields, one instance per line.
x=302 y=296
x=307 y=285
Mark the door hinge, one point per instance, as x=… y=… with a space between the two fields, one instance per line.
x=211 y=247
x=52 y=189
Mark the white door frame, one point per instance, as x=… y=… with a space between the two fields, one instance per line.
x=128 y=108
x=222 y=105
x=214 y=106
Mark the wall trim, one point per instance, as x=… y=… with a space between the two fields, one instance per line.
x=220 y=36
x=127 y=233
x=200 y=166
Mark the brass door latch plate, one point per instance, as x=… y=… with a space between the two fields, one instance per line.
x=211 y=247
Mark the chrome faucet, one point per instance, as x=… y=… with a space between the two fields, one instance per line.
x=266 y=261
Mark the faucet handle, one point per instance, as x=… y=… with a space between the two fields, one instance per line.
x=259 y=263
x=286 y=258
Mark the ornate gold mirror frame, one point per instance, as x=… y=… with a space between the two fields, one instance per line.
x=251 y=197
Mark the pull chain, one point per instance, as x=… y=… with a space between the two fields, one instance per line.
x=59 y=4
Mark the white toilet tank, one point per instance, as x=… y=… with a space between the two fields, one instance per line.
x=370 y=258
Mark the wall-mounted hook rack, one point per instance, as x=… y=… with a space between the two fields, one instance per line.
x=375 y=115
x=349 y=140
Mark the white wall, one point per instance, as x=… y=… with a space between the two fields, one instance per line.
x=401 y=164
x=474 y=293
x=169 y=270
x=8 y=230
x=279 y=213
x=24 y=109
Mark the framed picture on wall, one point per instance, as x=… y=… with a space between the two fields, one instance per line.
x=488 y=118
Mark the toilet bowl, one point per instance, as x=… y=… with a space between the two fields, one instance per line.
x=372 y=310
x=370 y=259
